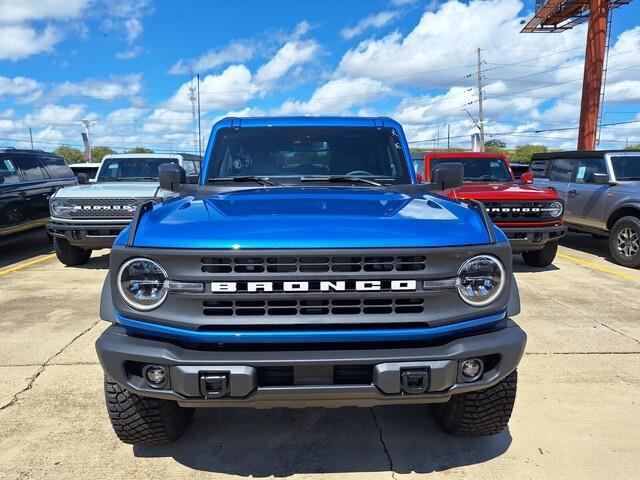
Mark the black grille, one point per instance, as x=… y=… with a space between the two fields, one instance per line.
x=103 y=207
x=314 y=264
x=517 y=211
x=335 y=306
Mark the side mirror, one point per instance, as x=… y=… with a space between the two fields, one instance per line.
x=83 y=178
x=599 y=178
x=1 y=179
x=526 y=178
x=171 y=176
x=419 y=177
x=448 y=175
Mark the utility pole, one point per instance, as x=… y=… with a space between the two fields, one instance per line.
x=448 y=136
x=480 y=109
x=194 y=121
x=31 y=136
x=199 y=129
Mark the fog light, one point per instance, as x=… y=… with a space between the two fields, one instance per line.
x=471 y=369
x=156 y=375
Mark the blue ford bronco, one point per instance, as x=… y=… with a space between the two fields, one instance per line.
x=309 y=267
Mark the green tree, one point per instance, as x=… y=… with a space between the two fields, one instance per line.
x=140 y=150
x=70 y=154
x=494 y=142
x=98 y=152
x=633 y=147
x=523 y=153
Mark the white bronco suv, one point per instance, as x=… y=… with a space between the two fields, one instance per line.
x=89 y=216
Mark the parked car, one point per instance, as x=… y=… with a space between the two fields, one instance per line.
x=89 y=169
x=601 y=191
x=308 y=267
x=530 y=216
x=90 y=215
x=28 y=178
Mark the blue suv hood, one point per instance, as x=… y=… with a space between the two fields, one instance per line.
x=309 y=217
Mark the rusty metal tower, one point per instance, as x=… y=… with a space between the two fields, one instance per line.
x=559 y=15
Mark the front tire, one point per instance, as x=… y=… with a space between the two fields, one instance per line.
x=485 y=412
x=543 y=257
x=70 y=255
x=143 y=420
x=624 y=242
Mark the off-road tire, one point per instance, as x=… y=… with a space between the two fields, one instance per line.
x=632 y=223
x=543 y=257
x=143 y=420
x=68 y=254
x=485 y=412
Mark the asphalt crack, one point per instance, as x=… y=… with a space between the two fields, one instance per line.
x=43 y=367
x=382 y=442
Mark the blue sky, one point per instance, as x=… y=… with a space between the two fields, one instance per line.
x=128 y=66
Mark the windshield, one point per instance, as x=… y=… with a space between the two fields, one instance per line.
x=626 y=168
x=129 y=169
x=292 y=153
x=479 y=169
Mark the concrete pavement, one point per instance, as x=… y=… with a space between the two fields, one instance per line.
x=577 y=414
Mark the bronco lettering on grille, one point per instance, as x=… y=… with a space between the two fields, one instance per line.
x=317 y=286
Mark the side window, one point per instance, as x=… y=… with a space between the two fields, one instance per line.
x=561 y=170
x=30 y=167
x=539 y=168
x=189 y=167
x=57 y=167
x=8 y=172
x=587 y=167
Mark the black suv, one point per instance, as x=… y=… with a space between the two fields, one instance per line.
x=27 y=179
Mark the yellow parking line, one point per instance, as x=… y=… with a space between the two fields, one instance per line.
x=27 y=264
x=601 y=268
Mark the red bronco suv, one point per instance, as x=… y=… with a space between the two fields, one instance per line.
x=531 y=217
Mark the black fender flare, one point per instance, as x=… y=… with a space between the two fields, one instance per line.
x=513 y=306
x=107 y=310
x=633 y=205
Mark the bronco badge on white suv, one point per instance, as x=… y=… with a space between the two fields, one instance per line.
x=89 y=216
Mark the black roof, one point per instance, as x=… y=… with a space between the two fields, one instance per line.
x=20 y=150
x=575 y=154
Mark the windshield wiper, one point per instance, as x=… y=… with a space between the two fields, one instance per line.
x=628 y=178
x=260 y=180
x=341 y=179
x=123 y=179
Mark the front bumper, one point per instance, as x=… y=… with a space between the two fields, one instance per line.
x=87 y=235
x=265 y=378
x=523 y=239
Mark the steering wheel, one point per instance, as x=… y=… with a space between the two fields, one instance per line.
x=358 y=172
x=485 y=177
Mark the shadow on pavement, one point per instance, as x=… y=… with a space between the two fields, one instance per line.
x=96 y=262
x=520 y=267
x=282 y=442
x=585 y=242
x=20 y=247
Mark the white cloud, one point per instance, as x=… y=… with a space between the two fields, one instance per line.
x=402 y=3
x=124 y=116
x=336 y=97
x=20 y=87
x=130 y=54
x=56 y=115
x=134 y=29
x=376 y=20
x=125 y=86
x=235 y=52
x=21 y=41
x=16 y=12
x=289 y=55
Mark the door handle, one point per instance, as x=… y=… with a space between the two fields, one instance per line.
x=573 y=192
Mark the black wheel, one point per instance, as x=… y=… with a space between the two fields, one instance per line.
x=70 y=255
x=485 y=412
x=143 y=420
x=543 y=257
x=624 y=242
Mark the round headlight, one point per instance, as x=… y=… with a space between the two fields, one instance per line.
x=555 y=209
x=141 y=283
x=60 y=208
x=481 y=280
